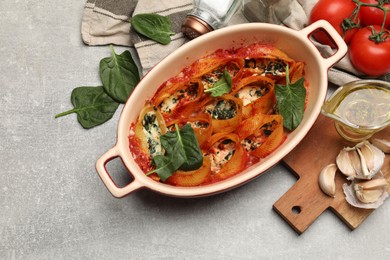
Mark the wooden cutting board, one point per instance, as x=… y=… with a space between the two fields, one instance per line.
x=304 y=202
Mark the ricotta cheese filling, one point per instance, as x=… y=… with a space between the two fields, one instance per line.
x=152 y=132
x=211 y=78
x=173 y=100
x=274 y=67
x=220 y=154
x=222 y=109
x=255 y=140
x=199 y=124
x=248 y=94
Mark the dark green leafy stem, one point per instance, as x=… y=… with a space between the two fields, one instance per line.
x=182 y=152
x=291 y=101
x=153 y=26
x=222 y=86
x=92 y=105
x=119 y=75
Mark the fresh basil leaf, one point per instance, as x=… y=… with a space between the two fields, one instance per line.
x=291 y=101
x=182 y=152
x=153 y=26
x=119 y=75
x=92 y=105
x=222 y=86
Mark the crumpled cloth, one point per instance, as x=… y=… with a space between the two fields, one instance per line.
x=109 y=22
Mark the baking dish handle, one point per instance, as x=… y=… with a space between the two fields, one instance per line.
x=341 y=46
x=116 y=191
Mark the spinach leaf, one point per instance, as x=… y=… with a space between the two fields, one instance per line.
x=165 y=166
x=153 y=26
x=291 y=101
x=119 y=75
x=222 y=86
x=191 y=150
x=92 y=105
x=182 y=152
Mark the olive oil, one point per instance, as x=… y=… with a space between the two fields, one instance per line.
x=360 y=109
x=368 y=106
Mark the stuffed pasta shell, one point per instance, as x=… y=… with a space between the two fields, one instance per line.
x=201 y=123
x=145 y=137
x=226 y=154
x=257 y=95
x=261 y=134
x=225 y=112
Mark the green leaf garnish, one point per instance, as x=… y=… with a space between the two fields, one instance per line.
x=119 y=75
x=165 y=166
x=182 y=152
x=92 y=105
x=153 y=26
x=291 y=101
x=222 y=86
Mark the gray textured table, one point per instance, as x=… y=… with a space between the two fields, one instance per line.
x=54 y=206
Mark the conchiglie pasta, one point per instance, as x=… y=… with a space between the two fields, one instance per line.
x=209 y=70
x=227 y=155
x=257 y=95
x=177 y=99
x=261 y=134
x=201 y=123
x=225 y=112
x=192 y=178
x=150 y=126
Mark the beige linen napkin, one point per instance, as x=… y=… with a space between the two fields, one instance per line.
x=109 y=22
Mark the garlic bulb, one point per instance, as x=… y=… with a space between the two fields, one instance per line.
x=362 y=161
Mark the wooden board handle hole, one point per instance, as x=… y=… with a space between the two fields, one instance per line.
x=296 y=210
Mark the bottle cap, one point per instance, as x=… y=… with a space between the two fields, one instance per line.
x=193 y=27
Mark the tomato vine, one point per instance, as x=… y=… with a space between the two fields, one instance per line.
x=376 y=36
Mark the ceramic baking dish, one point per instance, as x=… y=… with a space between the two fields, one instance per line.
x=296 y=44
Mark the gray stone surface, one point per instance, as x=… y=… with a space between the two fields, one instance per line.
x=54 y=206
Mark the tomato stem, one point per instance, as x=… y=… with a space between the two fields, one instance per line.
x=350 y=23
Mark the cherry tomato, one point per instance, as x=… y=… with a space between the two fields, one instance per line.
x=372 y=15
x=368 y=57
x=333 y=11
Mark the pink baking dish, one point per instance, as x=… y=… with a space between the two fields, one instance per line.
x=296 y=44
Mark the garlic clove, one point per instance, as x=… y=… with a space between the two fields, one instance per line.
x=382 y=144
x=374 y=157
x=327 y=180
x=363 y=164
x=366 y=194
x=374 y=184
x=356 y=163
x=344 y=164
x=367 y=154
